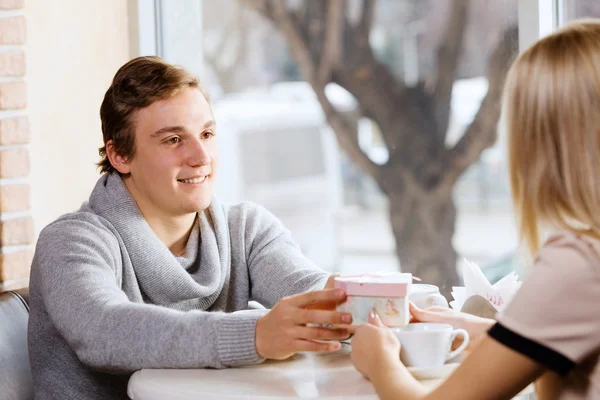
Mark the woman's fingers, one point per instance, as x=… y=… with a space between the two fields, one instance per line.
x=374 y=318
x=433 y=314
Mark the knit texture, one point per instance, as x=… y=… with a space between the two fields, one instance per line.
x=109 y=298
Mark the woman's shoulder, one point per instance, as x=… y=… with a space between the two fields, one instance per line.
x=570 y=250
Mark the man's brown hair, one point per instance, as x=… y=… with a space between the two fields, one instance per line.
x=137 y=84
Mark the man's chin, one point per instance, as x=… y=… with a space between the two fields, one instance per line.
x=198 y=206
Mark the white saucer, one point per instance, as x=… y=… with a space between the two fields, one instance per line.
x=442 y=371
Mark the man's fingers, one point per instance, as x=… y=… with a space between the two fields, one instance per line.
x=317 y=333
x=316 y=297
x=352 y=329
x=322 y=317
x=326 y=305
x=331 y=281
x=312 y=346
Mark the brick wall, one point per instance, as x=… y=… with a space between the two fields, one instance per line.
x=16 y=224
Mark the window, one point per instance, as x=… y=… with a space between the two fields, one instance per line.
x=576 y=9
x=387 y=187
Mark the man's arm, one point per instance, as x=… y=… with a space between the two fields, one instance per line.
x=283 y=279
x=275 y=262
x=74 y=270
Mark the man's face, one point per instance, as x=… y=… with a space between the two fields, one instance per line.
x=173 y=169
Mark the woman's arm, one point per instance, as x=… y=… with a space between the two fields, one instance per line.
x=491 y=371
x=549 y=325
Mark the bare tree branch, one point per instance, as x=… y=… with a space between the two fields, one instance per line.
x=482 y=132
x=292 y=32
x=361 y=74
x=228 y=31
x=367 y=17
x=260 y=6
x=334 y=35
x=414 y=178
x=236 y=30
x=448 y=54
x=344 y=131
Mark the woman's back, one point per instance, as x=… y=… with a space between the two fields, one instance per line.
x=555 y=317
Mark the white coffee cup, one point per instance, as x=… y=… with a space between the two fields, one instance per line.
x=425 y=296
x=427 y=344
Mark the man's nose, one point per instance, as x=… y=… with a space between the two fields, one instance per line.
x=198 y=154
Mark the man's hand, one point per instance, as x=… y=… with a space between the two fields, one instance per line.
x=330 y=305
x=283 y=331
x=331 y=281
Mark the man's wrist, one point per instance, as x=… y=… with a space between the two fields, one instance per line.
x=258 y=338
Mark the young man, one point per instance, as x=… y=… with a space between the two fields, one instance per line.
x=150 y=271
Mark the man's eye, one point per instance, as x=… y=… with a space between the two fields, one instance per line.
x=208 y=135
x=173 y=140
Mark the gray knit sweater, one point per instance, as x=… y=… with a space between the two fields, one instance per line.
x=108 y=297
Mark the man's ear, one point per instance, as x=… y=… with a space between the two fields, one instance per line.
x=118 y=162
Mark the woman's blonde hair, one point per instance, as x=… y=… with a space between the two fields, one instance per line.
x=551 y=107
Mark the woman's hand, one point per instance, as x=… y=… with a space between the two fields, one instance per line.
x=375 y=349
x=477 y=327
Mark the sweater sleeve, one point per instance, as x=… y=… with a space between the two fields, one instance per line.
x=76 y=270
x=276 y=265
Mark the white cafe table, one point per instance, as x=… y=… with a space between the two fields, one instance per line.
x=304 y=376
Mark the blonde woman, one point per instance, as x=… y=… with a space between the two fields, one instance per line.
x=550 y=333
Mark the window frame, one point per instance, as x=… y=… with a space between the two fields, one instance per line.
x=145 y=23
x=537 y=18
